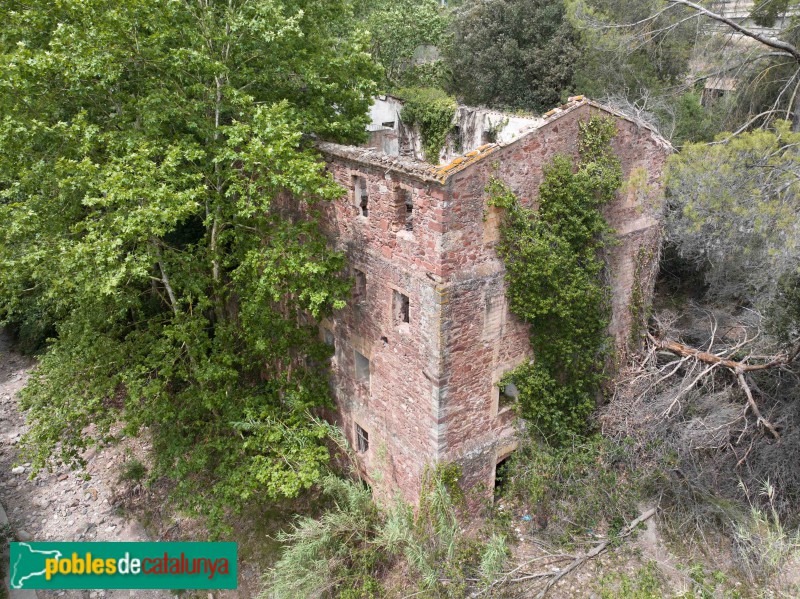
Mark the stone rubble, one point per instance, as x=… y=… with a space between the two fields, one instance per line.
x=58 y=506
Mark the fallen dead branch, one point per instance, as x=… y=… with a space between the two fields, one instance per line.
x=596 y=550
x=519 y=575
x=738 y=368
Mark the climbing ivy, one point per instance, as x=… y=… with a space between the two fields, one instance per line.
x=432 y=111
x=554 y=269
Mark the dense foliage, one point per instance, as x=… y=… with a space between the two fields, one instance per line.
x=733 y=215
x=512 y=53
x=348 y=550
x=407 y=38
x=143 y=146
x=554 y=268
x=432 y=111
x=630 y=59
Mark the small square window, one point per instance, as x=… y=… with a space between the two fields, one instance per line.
x=360 y=286
x=400 y=307
x=362 y=439
x=362 y=367
x=509 y=394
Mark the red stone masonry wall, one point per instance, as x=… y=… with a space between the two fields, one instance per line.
x=432 y=394
x=397 y=407
x=483 y=339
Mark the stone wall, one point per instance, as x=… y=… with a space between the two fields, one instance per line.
x=483 y=339
x=397 y=407
x=432 y=393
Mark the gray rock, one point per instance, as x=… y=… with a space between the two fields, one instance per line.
x=24 y=536
x=18 y=470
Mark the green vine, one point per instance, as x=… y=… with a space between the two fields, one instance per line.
x=432 y=111
x=554 y=269
x=638 y=307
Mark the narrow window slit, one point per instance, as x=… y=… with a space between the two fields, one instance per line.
x=509 y=394
x=362 y=367
x=362 y=439
x=401 y=305
x=361 y=195
x=360 y=286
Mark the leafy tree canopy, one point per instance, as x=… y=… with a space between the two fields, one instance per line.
x=629 y=58
x=147 y=152
x=512 y=53
x=733 y=215
x=407 y=37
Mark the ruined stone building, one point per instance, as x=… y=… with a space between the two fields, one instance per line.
x=428 y=334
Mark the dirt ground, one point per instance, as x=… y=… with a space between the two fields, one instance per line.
x=65 y=506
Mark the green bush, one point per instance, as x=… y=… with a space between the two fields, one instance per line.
x=132 y=470
x=346 y=551
x=576 y=491
x=432 y=111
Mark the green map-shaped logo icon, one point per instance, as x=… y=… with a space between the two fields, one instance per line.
x=28 y=563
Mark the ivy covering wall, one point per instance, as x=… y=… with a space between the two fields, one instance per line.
x=432 y=111
x=555 y=273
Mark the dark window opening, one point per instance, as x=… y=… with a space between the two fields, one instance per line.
x=401 y=306
x=360 y=286
x=360 y=191
x=509 y=394
x=489 y=136
x=502 y=475
x=362 y=439
x=388 y=124
x=405 y=209
x=362 y=367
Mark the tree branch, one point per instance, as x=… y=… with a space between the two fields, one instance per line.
x=738 y=368
x=767 y=41
x=709 y=358
x=597 y=550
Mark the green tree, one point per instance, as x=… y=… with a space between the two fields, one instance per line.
x=152 y=168
x=650 y=54
x=733 y=216
x=517 y=54
x=407 y=37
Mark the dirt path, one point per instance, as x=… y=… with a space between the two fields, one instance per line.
x=58 y=506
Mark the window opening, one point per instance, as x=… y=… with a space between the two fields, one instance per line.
x=401 y=308
x=360 y=286
x=362 y=439
x=502 y=474
x=362 y=367
x=360 y=190
x=509 y=394
x=405 y=209
x=388 y=124
x=329 y=338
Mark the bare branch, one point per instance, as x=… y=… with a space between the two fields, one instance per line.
x=597 y=550
x=767 y=41
x=754 y=407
